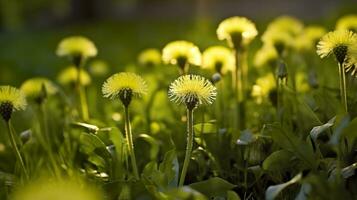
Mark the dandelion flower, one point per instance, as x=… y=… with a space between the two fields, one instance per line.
x=11 y=99
x=288 y=24
x=339 y=43
x=348 y=22
x=76 y=46
x=57 y=190
x=98 y=68
x=36 y=89
x=124 y=86
x=279 y=39
x=181 y=53
x=266 y=55
x=262 y=87
x=69 y=76
x=192 y=90
x=308 y=39
x=218 y=58
x=149 y=57
x=238 y=31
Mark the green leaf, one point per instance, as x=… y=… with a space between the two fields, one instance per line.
x=317 y=130
x=154 y=145
x=86 y=127
x=278 y=161
x=205 y=128
x=274 y=190
x=342 y=123
x=170 y=167
x=183 y=193
x=213 y=187
x=350 y=131
x=288 y=141
x=232 y=196
x=89 y=143
x=349 y=171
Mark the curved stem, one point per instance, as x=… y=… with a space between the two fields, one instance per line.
x=16 y=150
x=129 y=139
x=189 y=146
x=82 y=95
x=343 y=90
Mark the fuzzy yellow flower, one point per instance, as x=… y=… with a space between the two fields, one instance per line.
x=192 y=90
x=338 y=42
x=36 y=89
x=98 y=68
x=218 y=58
x=181 y=53
x=69 y=76
x=149 y=57
x=262 y=87
x=238 y=31
x=288 y=24
x=57 y=190
x=348 y=22
x=124 y=86
x=76 y=46
x=277 y=38
x=308 y=39
x=266 y=55
x=11 y=99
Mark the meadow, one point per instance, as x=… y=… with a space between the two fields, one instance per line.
x=229 y=110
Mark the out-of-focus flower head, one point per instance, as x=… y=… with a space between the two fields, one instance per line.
x=218 y=58
x=98 y=68
x=76 y=46
x=11 y=99
x=347 y=22
x=262 y=87
x=308 y=39
x=37 y=89
x=266 y=56
x=149 y=57
x=238 y=31
x=69 y=76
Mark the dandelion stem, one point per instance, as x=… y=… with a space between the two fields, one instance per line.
x=189 y=146
x=129 y=139
x=82 y=94
x=14 y=146
x=343 y=90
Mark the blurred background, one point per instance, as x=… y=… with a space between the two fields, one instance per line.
x=31 y=29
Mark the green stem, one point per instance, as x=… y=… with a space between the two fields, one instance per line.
x=14 y=146
x=82 y=95
x=188 y=146
x=129 y=139
x=343 y=90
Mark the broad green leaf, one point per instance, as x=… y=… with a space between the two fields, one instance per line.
x=341 y=123
x=90 y=142
x=154 y=145
x=170 y=167
x=205 y=128
x=278 y=160
x=274 y=190
x=213 y=187
x=183 y=193
x=351 y=130
x=304 y=192
x=292 y=143
x=317 y=130
x=232 y=196
x=349 y=170
x=86 y=127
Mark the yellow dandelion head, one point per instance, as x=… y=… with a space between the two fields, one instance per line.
x=76 y=46
x=149 y=57
x=238 y=31
x=338 y=42
x=277 y=38
x=266 y=55
x=262 y=87
x=181 y=53
x=351 y=64
x=124 y=86
x=57 y=190
x=98 y=68
x=218 y=58
x=348 y=22
x=69 y=76
x=11 y=99
x=308 y=39
x=192 y=90
x=36 y=89
x=288 y=24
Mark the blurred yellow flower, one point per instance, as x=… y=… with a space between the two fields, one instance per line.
x=98 y=68
x=277 y=38
x=238 y=31
x=288 y=24
x=57 y=190
x=302 y=84
x=33 y=88
x=149 y=57
x=124 y=86
x=192 y=90
x=266 y=56
x=218 y=58
x=262 y=87
x=308 y=39
x=181 y=53
x=69 y=76
x=11 y=99
x=348 y=22
x=338 y=42
x=76 y=46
